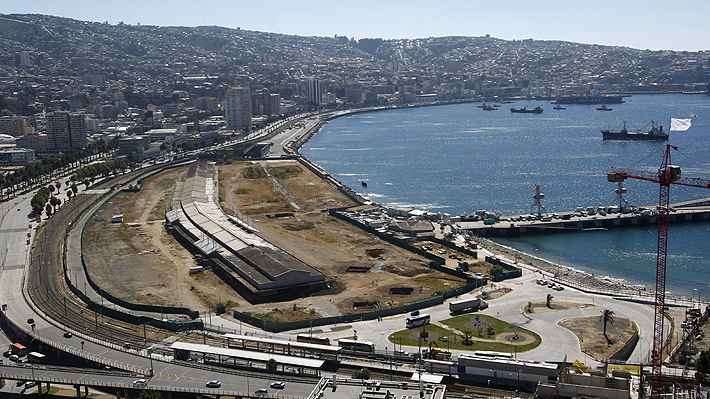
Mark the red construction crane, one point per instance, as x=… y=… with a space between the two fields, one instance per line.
x=666 y=175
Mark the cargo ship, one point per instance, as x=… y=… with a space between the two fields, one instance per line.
x=655 y=133
x=526 y=110
x=591 y=100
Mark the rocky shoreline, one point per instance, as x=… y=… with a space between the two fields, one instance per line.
x=573 y=276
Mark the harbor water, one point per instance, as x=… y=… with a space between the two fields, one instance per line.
x=458 y=158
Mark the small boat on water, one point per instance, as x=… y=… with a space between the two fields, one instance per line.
x=655 y=133
x=490 y=108
x=604 y=108
x=558 y=107
x=364 y=184
x=526 y=110
x=506 y=102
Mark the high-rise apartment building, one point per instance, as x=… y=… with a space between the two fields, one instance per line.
x=65 y=130
x=24 y=59
x=237 y=108
x=13 y=125
x=315 y=91
x=261 y=102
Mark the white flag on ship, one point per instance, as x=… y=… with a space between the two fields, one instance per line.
x=680 y=125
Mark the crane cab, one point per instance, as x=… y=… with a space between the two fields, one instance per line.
x=614 y=178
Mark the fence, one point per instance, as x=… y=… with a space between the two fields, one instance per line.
x=105 y=310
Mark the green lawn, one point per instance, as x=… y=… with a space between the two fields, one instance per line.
x=409 y=337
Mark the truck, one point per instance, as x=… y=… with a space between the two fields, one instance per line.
x=463 y=304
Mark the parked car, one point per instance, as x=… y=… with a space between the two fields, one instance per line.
x=7 y=353
x=558 y=287
x=14 y=357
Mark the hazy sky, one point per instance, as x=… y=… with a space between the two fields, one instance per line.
x=647 y=24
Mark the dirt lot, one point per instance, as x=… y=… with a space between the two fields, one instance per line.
x=590 y=332
x=336 y=248
x=147 y=265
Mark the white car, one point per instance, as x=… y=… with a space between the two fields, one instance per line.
x=278 y=385
x=213 y=384
x=140 y=383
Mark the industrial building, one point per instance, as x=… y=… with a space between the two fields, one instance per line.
x=255 y=268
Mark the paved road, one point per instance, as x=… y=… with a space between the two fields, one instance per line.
x=557 y=342
x=13 y=232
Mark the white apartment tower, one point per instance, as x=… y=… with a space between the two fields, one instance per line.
x=65 y=130
x=237 y=108
x=24 y=59
x=315 y=91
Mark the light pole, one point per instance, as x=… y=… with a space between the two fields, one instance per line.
x=694 y=291
x=150 y=355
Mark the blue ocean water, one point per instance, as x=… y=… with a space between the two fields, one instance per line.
x=459 y=159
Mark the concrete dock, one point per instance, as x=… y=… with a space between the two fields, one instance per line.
x=514 y=226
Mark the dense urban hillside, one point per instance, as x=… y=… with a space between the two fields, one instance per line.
x=134 y=53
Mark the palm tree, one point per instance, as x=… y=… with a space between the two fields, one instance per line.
x=549 y=299
x=608 y=317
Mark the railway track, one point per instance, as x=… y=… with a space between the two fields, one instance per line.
x=50 y=293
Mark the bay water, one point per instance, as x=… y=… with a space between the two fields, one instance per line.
x=458 y=158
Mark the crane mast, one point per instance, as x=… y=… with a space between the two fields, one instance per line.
x=666 y=175
x=537 y=196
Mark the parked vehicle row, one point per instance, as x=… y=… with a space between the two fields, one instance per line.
x=550 y=284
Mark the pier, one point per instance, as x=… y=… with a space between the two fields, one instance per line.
x=515 y=226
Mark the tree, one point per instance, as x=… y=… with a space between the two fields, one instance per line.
x=363 y=374
x=608 y=317
x=702 y=367
x=150 y=394
x=54 y=201
x=495 y=270
x=549 y=299
x=271 y=366
x=467 y=337
x=48 y=208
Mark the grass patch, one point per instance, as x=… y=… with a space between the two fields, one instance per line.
x=254 y=172
x=284 y=172
x=481 y=340
x=241 y=191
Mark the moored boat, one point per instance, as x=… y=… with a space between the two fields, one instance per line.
x=604 y=108
x=591 y=100
x=558 y=107
x=655 y=133
x=526 y=110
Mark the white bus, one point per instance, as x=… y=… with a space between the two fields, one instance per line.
x=353 y=345
x=416 y=321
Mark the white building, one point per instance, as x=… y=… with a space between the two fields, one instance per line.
x=66 y=130
x=237 y=108
x=315 y=91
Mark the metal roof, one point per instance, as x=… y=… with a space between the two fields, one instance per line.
x=172 y=215
x=250 y=355
x=206 y=245
x=294 y=344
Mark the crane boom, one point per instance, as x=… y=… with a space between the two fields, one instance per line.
x=666 y=175
x=653 y=176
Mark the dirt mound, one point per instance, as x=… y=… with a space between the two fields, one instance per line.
x=297 y=225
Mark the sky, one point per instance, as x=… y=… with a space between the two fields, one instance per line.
x=648 y=24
